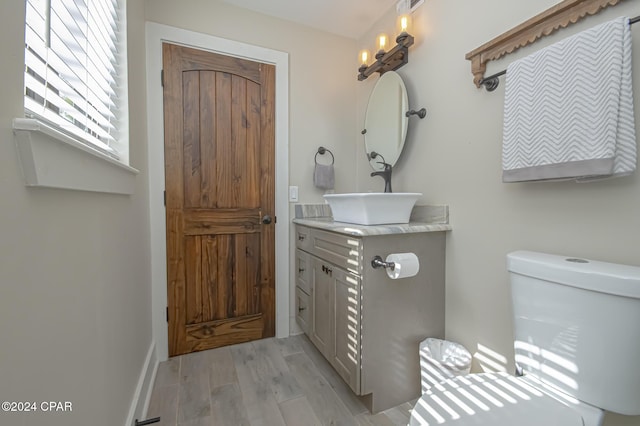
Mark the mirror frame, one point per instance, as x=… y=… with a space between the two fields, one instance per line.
x=386 y=121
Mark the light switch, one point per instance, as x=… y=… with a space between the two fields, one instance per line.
x=293 y=193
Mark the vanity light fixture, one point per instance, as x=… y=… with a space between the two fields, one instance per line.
x=388 y=60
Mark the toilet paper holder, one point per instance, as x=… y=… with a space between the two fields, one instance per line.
x=377 y=262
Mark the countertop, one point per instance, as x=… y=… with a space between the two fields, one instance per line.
x=328 y=224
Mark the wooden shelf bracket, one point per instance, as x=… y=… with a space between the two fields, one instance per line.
x=559 y=16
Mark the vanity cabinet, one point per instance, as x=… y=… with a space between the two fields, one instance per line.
x=366 y=325
x=327 y=299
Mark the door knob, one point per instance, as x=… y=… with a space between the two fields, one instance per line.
x=266 y=219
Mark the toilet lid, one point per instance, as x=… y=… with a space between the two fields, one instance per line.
x=496 y=399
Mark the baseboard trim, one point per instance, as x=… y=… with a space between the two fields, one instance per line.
x=142 y=395
x=294 y=328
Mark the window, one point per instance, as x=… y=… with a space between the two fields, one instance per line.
x=74 y=70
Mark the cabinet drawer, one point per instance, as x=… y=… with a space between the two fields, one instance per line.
x=303 y=270
x=303 y=238
x=342 y=250
x=303 y=310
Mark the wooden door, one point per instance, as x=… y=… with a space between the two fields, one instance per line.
x=219 y=168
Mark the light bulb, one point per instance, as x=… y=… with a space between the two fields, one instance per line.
x=404 y=22
x=364 y=57
x=383 y=40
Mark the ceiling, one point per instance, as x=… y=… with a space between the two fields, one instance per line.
x=348 y=18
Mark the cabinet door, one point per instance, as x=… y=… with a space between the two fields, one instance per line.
x=322 y=306
x=346 y=354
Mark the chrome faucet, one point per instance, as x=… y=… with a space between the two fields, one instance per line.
x=386 y=173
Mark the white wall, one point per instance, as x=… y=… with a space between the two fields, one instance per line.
x=322 y=69
x=453 y=157
x=75 y=322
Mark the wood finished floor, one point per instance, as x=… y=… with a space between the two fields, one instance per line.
x=270 y=382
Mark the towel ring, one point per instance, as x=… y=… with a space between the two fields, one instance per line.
x=322 y=150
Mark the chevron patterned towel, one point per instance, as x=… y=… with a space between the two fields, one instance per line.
x=568 y=109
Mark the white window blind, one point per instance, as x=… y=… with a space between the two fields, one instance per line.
x=71 y=68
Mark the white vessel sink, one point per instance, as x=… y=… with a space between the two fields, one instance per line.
x=372 y=208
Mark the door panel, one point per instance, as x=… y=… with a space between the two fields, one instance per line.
x=322 y=297
x=219 y=168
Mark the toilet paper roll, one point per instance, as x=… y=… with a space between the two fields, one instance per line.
x=406 y=265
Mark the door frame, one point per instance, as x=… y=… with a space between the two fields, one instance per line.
x=156 y=34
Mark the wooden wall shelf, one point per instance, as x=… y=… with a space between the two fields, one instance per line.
x=559 y=16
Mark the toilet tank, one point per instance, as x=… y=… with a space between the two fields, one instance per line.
x=577 y=327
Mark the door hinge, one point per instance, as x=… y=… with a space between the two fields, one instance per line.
x=164 y=195
x=167 y=313
x=162 y=78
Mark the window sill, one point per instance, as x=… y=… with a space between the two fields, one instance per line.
x=52 y=159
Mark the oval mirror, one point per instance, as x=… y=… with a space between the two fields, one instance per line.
x=385 y=120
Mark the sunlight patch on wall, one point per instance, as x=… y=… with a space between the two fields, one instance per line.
x=490 y=361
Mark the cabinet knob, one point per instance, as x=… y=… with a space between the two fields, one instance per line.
x=301 y=308
x=301 y=237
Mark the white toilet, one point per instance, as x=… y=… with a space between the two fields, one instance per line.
x=577 y=341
